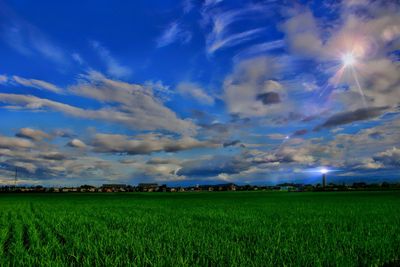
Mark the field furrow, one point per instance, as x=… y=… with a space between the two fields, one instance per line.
x=8 y=241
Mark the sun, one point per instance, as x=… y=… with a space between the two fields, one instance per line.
x=324 y=171
x=348 y=60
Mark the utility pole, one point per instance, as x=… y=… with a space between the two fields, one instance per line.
x=16 y=177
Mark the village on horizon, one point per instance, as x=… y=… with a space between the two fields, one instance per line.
x=154 y=187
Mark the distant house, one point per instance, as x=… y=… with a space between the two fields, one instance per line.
x=147 y=187
x=68 y=189
x=113 y=187
x=162 y=188
x=87 y=188
x=292 y=187
x=287 y=188
x=219 y=187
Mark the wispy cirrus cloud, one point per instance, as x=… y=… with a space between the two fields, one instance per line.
x=26 y=38
x=233 y=39
x=78 y=58
x=3 y=79
x=220 y=24
x=113 y=67
x=173 y=33
x=195 y=91
x=257 y=49
x=209 y=3
x=38 y=84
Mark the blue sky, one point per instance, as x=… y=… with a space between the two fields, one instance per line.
x=185 y=92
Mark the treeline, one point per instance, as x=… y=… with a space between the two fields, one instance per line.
x=290 y=187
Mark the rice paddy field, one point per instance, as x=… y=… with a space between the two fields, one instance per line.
x=200 y=229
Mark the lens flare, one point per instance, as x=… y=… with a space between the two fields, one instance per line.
x=348 y=60
x=324 y=171
x=350 y=63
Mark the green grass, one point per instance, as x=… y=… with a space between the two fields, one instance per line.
x=200 y=229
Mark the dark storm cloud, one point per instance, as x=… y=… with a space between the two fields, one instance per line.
x=389 y=157
x=376 y=135
x=300 y=132
x=53 y=156
x=217 y=127
x=351 y=116
x=231 y=143
x=214 y=166
x=144 y=144
x=160 y=161
x=235 y=118
x=269 y=98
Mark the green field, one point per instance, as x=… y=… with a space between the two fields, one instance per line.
x=200 y=229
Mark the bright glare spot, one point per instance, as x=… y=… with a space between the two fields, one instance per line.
x=287 y=137
x=324 y=171
x=348 y=59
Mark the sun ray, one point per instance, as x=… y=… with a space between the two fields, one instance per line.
x=360 y=90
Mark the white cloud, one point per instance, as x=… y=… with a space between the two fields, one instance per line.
x=390 y=157
x=15 y=143
x=76 y=143
x=303 y=35
x=196 y=92
x=259 y=48
x=137 y=107
x=370 y=36
x=46 y=164
x=32 y=134
x=143 y=144
x=26 y=38
x=250 y=91
x=209 y=3
x=173 y=33
x=3 y=79
x=188 y=6
x=39 y=84
x=233 y=39
x=114 y=68
x=221 y=35
x=77 y=57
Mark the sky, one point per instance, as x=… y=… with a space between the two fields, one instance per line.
x=197 y=92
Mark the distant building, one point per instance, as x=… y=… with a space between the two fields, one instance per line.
x=114 y=187
x=162 y=188
x=87 y=188
x=69 y=189
x=147 y=187
x=287 y=188
x=219 y=187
